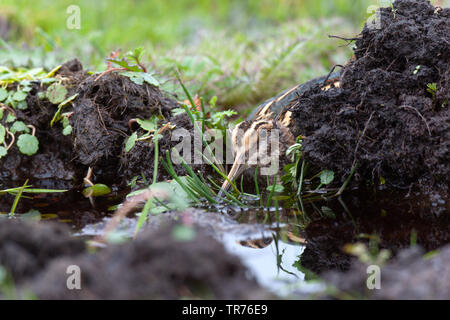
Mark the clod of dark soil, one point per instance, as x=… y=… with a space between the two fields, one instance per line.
x=155 y=265
x=384 y=117
x=139 y=160
x=51 y=167
x=26 y=248
x=409 y=276
x=102 y=120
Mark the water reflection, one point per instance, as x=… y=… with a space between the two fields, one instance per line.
x=273 y=266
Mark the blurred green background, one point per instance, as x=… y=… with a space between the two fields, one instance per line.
x=241 y=51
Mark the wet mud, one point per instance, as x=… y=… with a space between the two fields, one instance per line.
x=156 y=265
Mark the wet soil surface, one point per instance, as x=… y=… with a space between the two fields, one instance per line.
x=381 y=117
x=156 y=265
x=277 y=255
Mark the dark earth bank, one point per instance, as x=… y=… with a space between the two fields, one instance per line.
x=102 y=119
x=384 y=118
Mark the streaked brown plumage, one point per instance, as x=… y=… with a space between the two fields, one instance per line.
x=273 y=115
x=258 y=144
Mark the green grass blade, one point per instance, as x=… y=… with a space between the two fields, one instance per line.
x=17 y=198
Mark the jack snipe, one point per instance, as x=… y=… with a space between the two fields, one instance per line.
x=265 y=138
x=261 y=143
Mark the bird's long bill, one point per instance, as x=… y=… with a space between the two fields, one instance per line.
x=236 y=170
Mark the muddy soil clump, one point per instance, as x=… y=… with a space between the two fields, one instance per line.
x=385 y=117
x=103 y=117
x=158 y=264
x=26 y=248
x=139 y=160
x=51 y=166
x=102 y=113
x=411 y=275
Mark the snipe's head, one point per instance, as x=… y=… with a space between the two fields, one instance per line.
x=257 y=143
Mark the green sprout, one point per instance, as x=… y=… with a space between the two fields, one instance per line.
x=432 y=88
x=149 y=126
x=131 y=66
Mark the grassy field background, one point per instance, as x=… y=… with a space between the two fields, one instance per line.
x=241 y=51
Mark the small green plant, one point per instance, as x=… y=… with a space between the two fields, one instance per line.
x=368 y=255
x=56 y=93
x=96 y=190
x=64 y=117
x=27 y=143
x=416 y=70
x=15 y=84
x=326 y=177
x=131 y=66
x=292 y=170
x=149 y=126
x=432 y=89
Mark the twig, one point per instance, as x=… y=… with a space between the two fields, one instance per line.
x=121 y=212
x=87 y=180
x=342 y=38
x=420 y=115
x=332 y=70
x=349 y=40
x=33 y=129
x=12 y=139
x=360 y=138
x=108 y=71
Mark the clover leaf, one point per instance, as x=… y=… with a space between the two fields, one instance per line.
x=56 y=93
x=28 y=144
x=3 y=94
x=19 y=126
x=19 y=96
